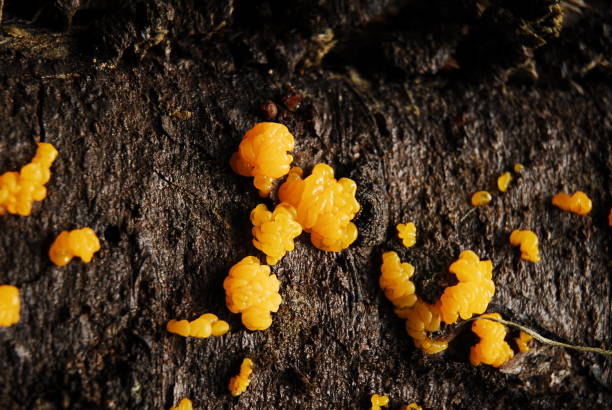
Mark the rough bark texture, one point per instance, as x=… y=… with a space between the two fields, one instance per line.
x=421 y=102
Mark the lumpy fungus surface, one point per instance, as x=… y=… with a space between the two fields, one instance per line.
x=184 y=404
x=18 y=190
x=491 y=349
x=523 y=342
x=378 y=401
x=9 y=305
x=578 y=203
x=239 y=383
x=262 y=154
x=528 y=242
x=251 y=290
x=407 y=233
x=203 y=327
x=325 y=206
x=68 y=244
x=275 y=231
x=395 y=281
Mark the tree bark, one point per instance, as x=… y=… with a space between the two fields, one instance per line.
x=421 y=102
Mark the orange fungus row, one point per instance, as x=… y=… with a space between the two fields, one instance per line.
x=18 y=190
x=239 y=383
x=262 y=154
x=184 y=404
x=203 y=327
x=325 y=206
x=578 y=203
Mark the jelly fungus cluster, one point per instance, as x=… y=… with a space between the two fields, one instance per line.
x=184 y=404
x=274 y=232
x=325 y=206
x=528 y=242
x=407 y=233
x=262 y=154
x=378 y=401
x=79 y=242
x=239 y=383
x=250 y=289
x=579 y=203
x=203 y=327
x=492 y=349
x=18 y=190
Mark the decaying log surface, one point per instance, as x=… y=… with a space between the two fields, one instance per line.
x=422 y=103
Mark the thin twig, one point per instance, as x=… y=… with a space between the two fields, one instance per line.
x=1 y=7
x=543 y=339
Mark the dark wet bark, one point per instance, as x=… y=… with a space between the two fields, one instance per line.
x=421 y=102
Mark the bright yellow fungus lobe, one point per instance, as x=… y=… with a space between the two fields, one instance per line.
x=579 y=203
x=523 y=342
x=262 y=154
x=378 y=401
x=205 y=326
x=274 y=232
x=184 y=404
x=250 y=289
x=481 y=198
x=411 y=406
x=239 y=383
x=407 y=233
x=503 y=181
x=473 y=292
x=18 y=190
x=492 y=349
x=395 y=281
x=325 y=206
x=528 y=241
x=9 y=305
x=518 y=168
x=610 y=218
x=79 y=242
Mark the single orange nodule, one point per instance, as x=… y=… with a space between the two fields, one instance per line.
x=9 y=305
x=528 y=242
x=262 y=154
x=523 y=342
x=184 y=404
x=579 y=203
x=481 y=198
x=68 y=244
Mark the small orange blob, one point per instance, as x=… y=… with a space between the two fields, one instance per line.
x=422 y=319
x=9 y=305
x=250 y=289
x=184 y=404
x=481 y=198
x=378 y=401
x=503 y=181
x=68 y=244
x=325 y=206
x=18 y=190
x=528 y=241
x=473 y=292
x=579 y=203
x=407 y=233
x=202 y=327
x=610 y=218
x=518 y=168
x=492 y=349
x=239 y=383
x=523 y=342
x=274 y=232
x=411 y=406
x=262 y=154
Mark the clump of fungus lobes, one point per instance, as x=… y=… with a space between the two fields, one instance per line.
x=523 y=342
x=473 y=292
x=18 y=190
x=262 y=154
x=395 y=281
x=579 y=203
x=422 y=319
x=528 y=241
x=481 y=198
x=378 y=401
x=250 y=289
x=274 y=232
x=79 y=242
x=239 y=383
x=492 y=349
x=503 y=181
x=184 y=404
x=203 y=327
x=407 y=233
x=9 y=305
x=411 y=406
x=325 y=206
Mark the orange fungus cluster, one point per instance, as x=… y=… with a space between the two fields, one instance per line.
x=492 y=349
x=528 y=242
x=205 y=326
x=274 y=232
x=79 y=242
x=184 y=404
x=378 y=401
x=250 y=289
x=239 y=383
x=262 y=154
x=325 y=206
x=18 y=190
x=407 y=233
x=578 y=203
x=9 y=305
